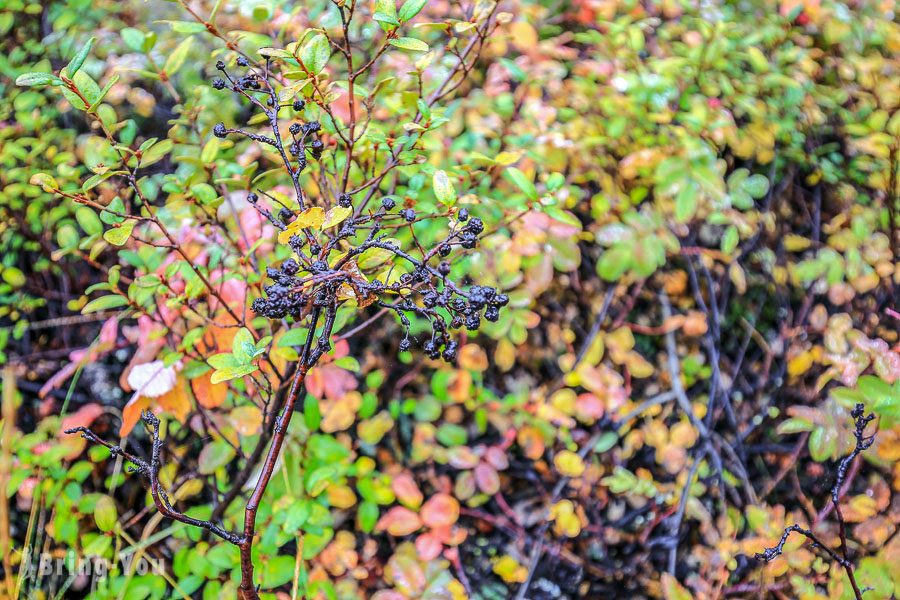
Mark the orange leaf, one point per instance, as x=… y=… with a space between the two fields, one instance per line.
x=440 y=510
x=428 y=546
x=407 y=491
x=207 y=393
x=176 y=401
x=132 y=412
x=399 y=521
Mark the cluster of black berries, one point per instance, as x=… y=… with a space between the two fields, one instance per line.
x=424 y=292
x=282 y=299
x=322 y=270
x=468 y=236
x=252 y=82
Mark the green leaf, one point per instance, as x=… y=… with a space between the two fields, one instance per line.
x=105 y=513
x=880 y=396
x=312 y=416
x=108 y=216
x=177 y=57
x=88 y=220
x=275 y=53
x=686 y=202
x=794 y=425
x=204 y=192
x=443 y=189
x=112 y=81
x=223 y=360
x=242 y=347
x=368 y=516
x=386 y=14
x=606 y=441
x=96 y=180
x=36 y=79
x=387 y=22
x=214 y=455
x=14 y=277
x=79 y=58
x=293 y=337
x=822 y=444
x=228 y=373
x=874 y=389
x=613 y=263
x=756 y=186
x=622 y=480
x=730 y=239
x=518 y=178
x=103 y=303
x=315 y=54
x=408 y=43
x=411 y=8
x=155 y=152
x=47 y=182
x=117 y=236
x=88 y=91
x=133 y=38
x=450 y=434
x=318 y=481
x=186 y=26
x=276 y=571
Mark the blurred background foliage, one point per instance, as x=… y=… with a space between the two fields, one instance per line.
x=692 y=206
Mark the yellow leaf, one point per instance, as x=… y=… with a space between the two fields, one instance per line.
x=523 y=35
x=247 y=419
x=505 y=355
x=510 y=570
x=638 y=365
x=507 y=158
x=738 y=278
x=312 y=217
x=801 y=363
x=683 y=434
x=568 y=463
x=566 y=521
x=860 y=508
x=564 y=401
x=336 y=215
x=796 y=243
